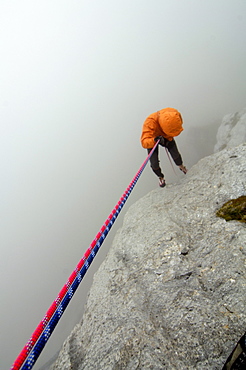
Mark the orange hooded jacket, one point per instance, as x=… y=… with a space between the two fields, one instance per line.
x=166 y=122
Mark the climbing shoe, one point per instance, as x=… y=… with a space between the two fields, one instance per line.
x=183 y=169
x=162 y=182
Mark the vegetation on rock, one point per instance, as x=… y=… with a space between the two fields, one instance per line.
x=234 y=209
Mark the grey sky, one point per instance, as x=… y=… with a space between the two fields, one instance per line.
x=77 y=80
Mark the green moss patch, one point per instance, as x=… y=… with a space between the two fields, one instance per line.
x=234 y=209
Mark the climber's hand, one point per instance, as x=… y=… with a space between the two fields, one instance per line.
x=162 y=140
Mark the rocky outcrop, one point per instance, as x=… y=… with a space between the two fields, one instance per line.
x=232 y=131
x=171 y=293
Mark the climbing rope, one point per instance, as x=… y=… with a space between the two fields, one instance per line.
x=170 y=161
x=31 y=351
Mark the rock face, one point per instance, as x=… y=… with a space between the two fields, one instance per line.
x=232 y=131
x=171 y=293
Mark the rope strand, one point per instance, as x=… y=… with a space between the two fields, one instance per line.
x=31 y=351
x=170 y=161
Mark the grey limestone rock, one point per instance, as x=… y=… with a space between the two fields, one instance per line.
x=232 y=131
x=171 y=293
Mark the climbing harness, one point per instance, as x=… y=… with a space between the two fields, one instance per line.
x=31 y=351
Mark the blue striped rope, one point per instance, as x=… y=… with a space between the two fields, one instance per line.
x=41 y=342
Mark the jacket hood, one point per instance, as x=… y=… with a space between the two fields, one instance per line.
x=170 y=121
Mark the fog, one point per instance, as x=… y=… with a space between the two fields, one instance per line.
x=78 y=78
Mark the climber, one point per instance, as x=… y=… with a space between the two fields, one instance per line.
x=163 y=126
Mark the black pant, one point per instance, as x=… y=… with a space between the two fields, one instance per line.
x=154 y=159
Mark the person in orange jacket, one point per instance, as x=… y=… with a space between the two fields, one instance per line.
x=163 y=125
